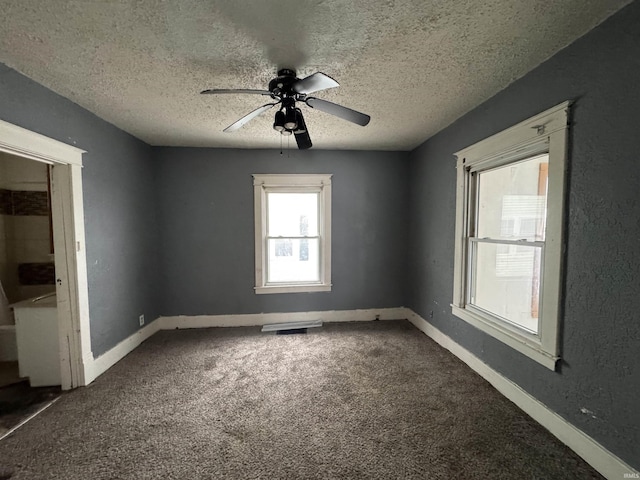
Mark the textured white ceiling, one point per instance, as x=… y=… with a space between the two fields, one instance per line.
x=415 y=66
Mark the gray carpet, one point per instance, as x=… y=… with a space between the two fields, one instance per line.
x=376 y=400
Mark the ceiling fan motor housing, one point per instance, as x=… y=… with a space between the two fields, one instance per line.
x=281 y=86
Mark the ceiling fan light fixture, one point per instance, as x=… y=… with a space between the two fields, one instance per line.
x=291 y=120
x=286 y=132
x=278 y=123
x=301 y=126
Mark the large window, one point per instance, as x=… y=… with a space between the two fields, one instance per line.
x=509 y=218
x=293 y=233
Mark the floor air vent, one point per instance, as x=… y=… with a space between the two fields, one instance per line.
x=291 y=328
x=292 y=331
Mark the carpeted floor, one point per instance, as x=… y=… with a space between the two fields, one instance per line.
x=374 y=400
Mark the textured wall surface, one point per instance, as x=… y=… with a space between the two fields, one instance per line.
x=119 y=202
x=207 y=227
x=598 y=385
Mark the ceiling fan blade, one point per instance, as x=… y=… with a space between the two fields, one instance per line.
x=314 y=83
x=250 y=116
x=338 y=110
x=303 y=140
x=216 y=91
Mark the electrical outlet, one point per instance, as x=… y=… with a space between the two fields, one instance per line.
x=377 y=317
x=141 y=318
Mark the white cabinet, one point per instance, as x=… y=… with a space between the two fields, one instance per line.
x=37 y=341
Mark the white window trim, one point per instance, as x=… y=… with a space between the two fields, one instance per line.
x=546 y=132
x=290 y=182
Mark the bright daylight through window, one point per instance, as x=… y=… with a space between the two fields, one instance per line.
x=509 y=218
x=293 y=233
x=506 y=251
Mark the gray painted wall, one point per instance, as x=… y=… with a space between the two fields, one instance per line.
x=207 y=226
x=119 y=202
x=600 y=370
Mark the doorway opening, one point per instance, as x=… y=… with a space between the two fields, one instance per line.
x=66 y=300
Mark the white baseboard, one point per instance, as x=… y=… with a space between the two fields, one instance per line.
x=112 y=356
x=260 y=319
x=591 y=451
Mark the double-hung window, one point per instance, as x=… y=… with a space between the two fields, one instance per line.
x=292 y=233
x=509 y=222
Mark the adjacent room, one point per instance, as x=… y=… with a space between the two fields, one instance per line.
x=319 y=239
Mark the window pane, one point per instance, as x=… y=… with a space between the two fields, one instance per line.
x=512 y=200
x=284 y=248
x=293 y=260
x=292 y=214
x=505 y=281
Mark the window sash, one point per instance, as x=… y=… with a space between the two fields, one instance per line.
x=294 y=237
x=299 y=237
x=471 y=282
x=305 y=268
x=284 y=190
x=523 y=242
x=472 y=258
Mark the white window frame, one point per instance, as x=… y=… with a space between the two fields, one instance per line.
x=543 y=133
x=292 y=183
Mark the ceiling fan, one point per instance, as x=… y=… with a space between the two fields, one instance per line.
x=286 y=89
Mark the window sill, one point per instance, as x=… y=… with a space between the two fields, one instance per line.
x=528 y=345
x=310 y=288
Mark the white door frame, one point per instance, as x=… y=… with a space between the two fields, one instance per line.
x=76 y=357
